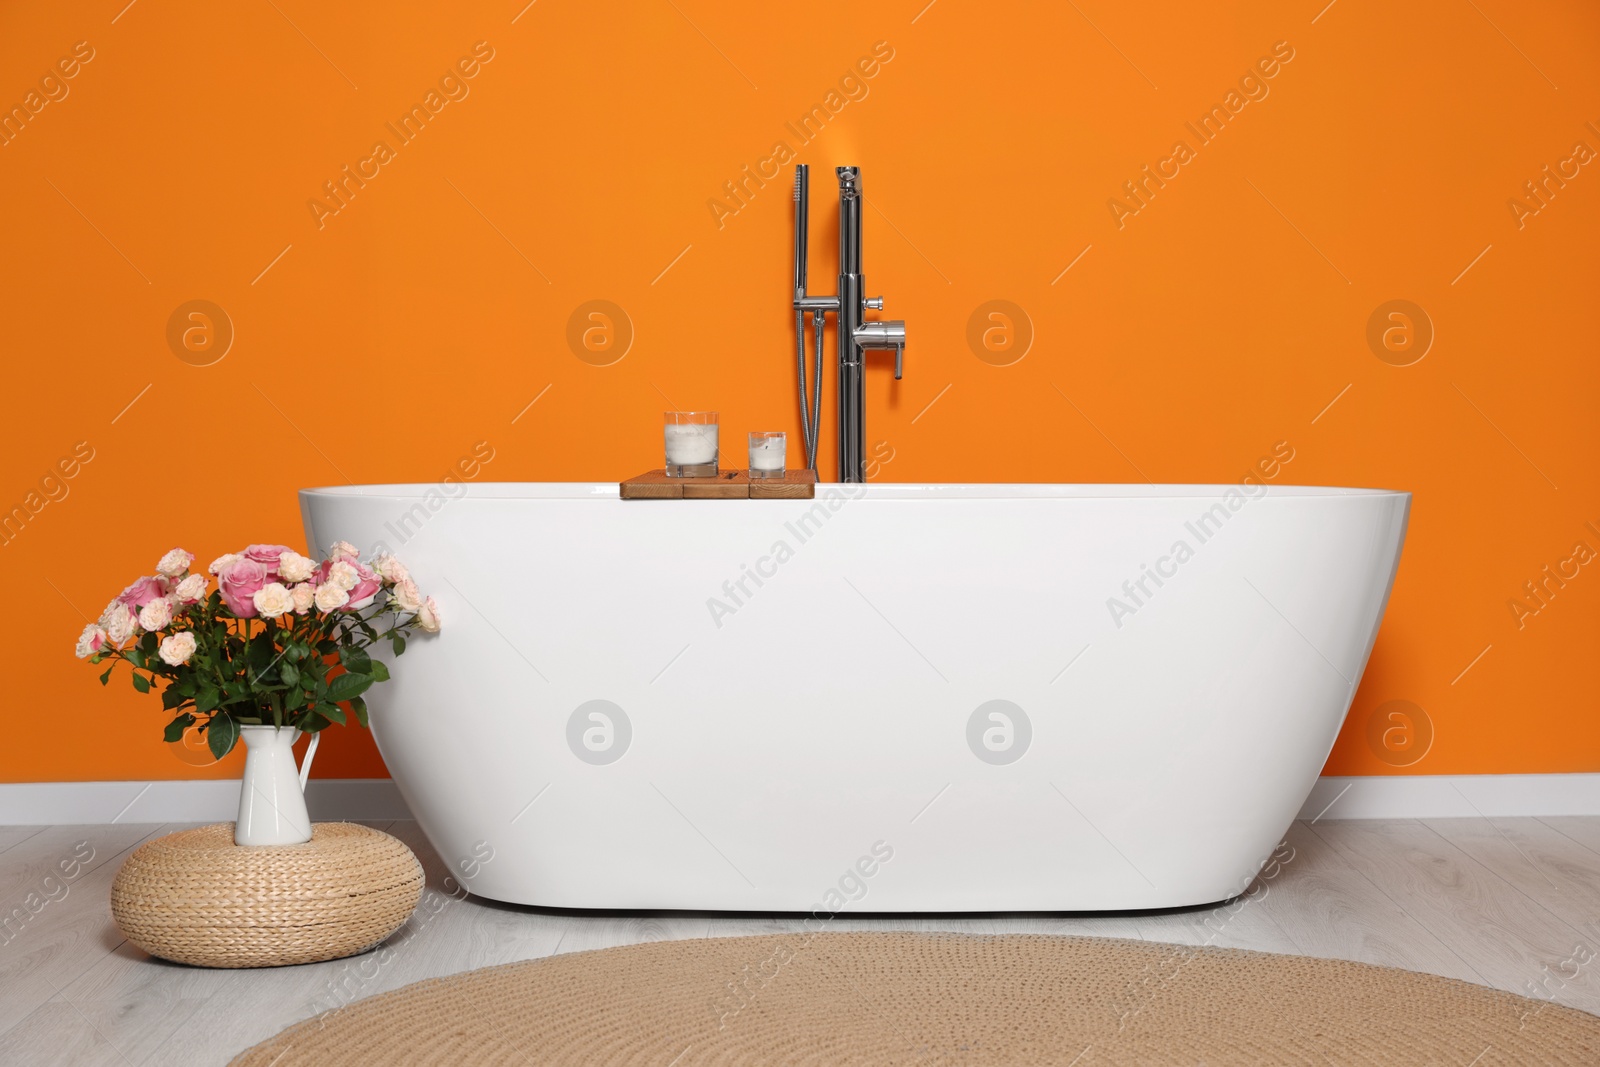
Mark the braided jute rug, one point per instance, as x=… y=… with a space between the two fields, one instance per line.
x=899 y=998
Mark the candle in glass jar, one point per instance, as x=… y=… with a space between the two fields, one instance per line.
x=690 y=445
x=767 y=453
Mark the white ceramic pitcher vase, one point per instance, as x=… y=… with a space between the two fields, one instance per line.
x=272 y=799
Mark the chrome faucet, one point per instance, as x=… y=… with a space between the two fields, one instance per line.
x=854 y=336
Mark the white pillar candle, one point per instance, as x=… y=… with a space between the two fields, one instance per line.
x=689 y=444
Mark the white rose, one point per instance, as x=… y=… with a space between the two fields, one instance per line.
x=223 y=561
x=94 y=635
x=177 y=648
x=428 y=616
x=391 y=570
x=156 y=614
x=192 y=588
x=174 y=563
x=343 y=550
x=343 y=575
x=293 y=567
x=330 y=597
x=305 y=595
x=406 y=597
x=119 y=627
x=273 y=599
x=113 y=609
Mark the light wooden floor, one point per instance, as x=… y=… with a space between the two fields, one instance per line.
x=1504 y=902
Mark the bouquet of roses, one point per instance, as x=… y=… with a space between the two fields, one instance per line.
x=282 y=640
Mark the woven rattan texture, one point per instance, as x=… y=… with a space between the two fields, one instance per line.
x=196 y=897
x=885 y=998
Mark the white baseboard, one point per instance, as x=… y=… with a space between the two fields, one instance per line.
x=216 y=800
x=1386 y=797
x=1453 y=796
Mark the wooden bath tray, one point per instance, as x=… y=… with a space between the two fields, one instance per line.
x=728 y=485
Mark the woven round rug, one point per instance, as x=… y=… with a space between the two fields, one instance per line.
x=887 y=998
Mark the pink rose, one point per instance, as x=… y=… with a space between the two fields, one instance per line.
x=143 y=591
x=368 y=582
x=268 y=555
x=239 y=582
x=343 y=550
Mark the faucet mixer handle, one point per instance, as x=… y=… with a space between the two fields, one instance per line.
x=873 y=303
x=882 y=336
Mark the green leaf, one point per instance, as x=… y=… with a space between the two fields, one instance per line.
x=327 y=646
x=221 y=734
x=207 y=700
x=348 y=685
x=186 y=685
x=380 y=672
x=171 y=698
x=261 y=651
x=105 y=678
x=398 y=644
x=355 y=660
x=140 y=682
x=331 y=711
x=359 y=706
x=290 y=676
x=175 y=728
x=134 y=656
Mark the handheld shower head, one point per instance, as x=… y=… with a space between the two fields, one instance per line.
x=802 y=199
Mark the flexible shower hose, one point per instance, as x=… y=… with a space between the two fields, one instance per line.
x=810 y=399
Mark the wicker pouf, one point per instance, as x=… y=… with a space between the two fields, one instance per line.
x=196 y=897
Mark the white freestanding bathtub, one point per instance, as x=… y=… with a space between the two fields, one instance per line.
x=891 y=698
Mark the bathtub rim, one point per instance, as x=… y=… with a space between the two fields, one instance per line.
x=869 y=491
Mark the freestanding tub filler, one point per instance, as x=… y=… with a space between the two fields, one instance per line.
x=890 y=698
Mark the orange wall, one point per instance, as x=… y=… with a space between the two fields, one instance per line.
x=1188 y=338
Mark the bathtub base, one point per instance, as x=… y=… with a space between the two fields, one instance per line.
x=891 y=699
